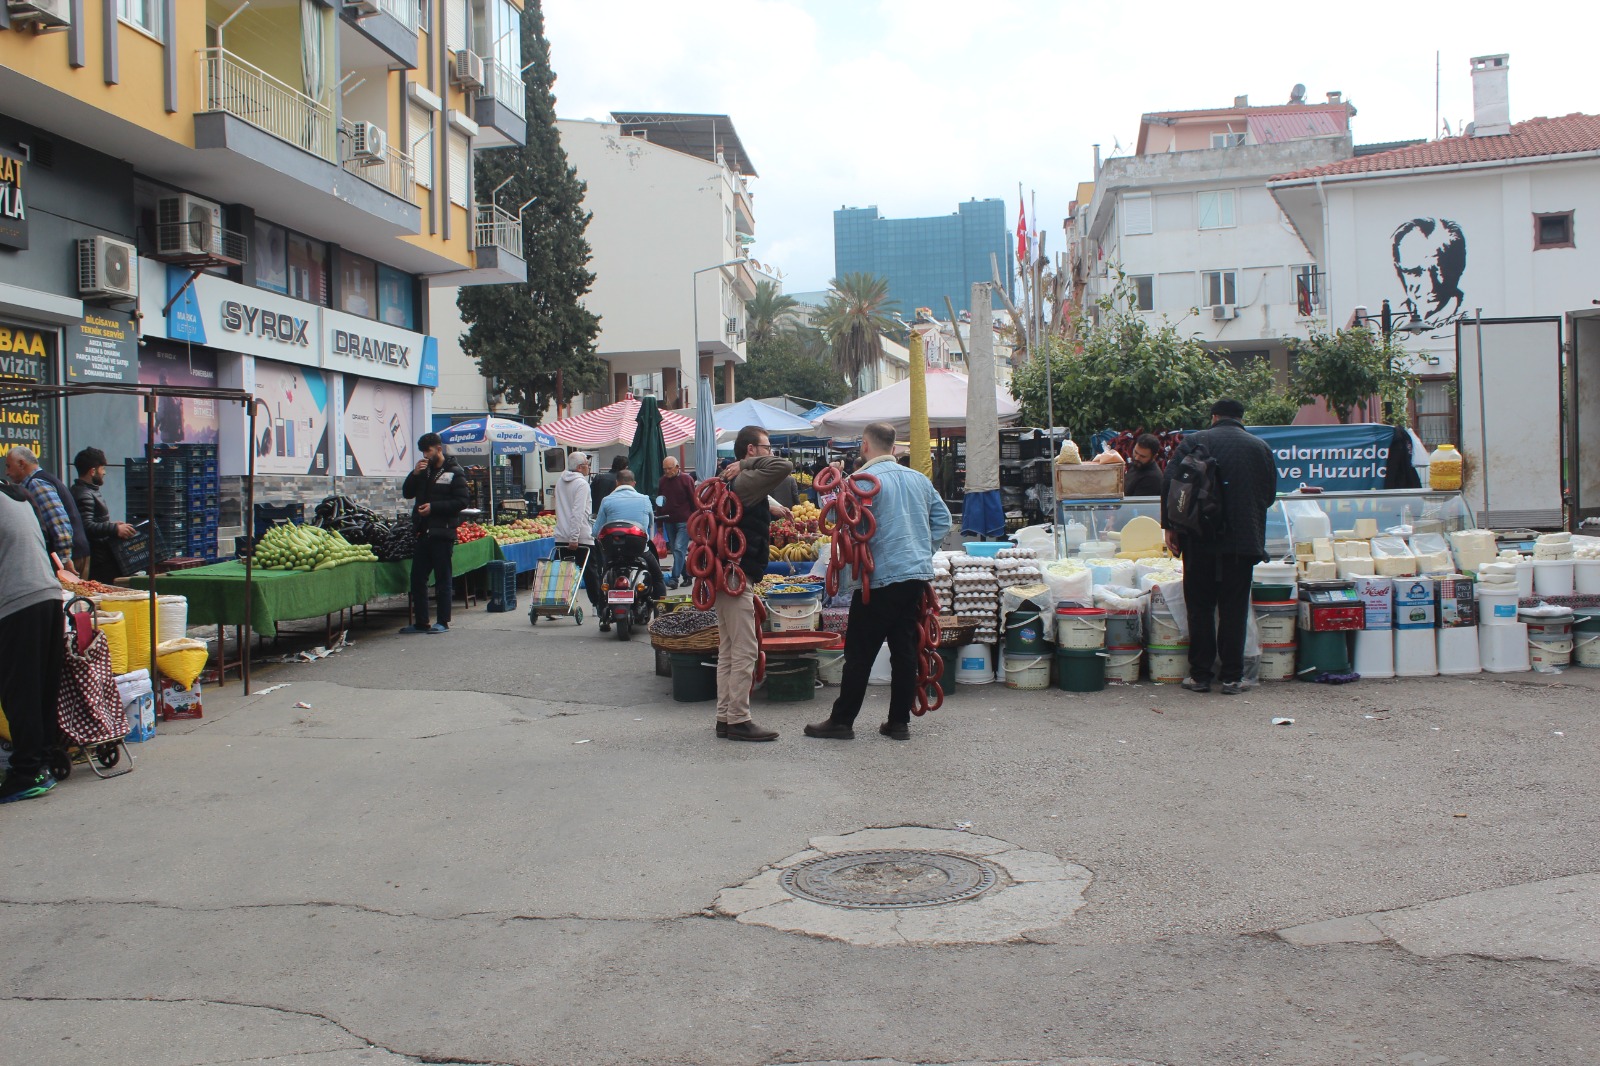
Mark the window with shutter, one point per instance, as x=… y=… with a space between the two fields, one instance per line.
x=456 y=24
x=422 y=145
x=1136 y=216
x=460 y=170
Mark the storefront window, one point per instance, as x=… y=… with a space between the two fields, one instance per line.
x=358 y=285
x=308 y=269
x=270 y=254
x=396 y=303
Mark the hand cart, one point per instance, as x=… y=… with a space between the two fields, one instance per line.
x=556 y=583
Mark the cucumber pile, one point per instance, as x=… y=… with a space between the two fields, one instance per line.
x=306 y=548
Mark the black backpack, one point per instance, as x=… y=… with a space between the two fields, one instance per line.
x=1194 y=496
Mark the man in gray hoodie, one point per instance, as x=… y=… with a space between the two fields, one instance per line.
x=575 y=526
x=33 y=634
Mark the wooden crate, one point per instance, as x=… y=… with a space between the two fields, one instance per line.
x=1089 y=481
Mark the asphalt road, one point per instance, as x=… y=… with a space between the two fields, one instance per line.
x=501 y=846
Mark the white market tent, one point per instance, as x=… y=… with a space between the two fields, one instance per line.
x=947 y=407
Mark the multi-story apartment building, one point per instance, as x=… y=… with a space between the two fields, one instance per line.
x=1188 y=221
x=926 y=259
x=255 y=195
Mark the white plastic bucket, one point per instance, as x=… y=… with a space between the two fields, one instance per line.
x=1458 y=650
x=1552 y=577
x=830 y=666
x=1124 y=628
x=1497 y=607
x=1549 y=654
x=1273 y=574
x=1525 y=578
x=1122 y=664
x=1081 y=632
x=1276 y=625
x=1374 y=653
x=1503 y=649
x=1548 y=628
x=1168 y=665
x=1415 y=653
x=1586 y=577
x=793 y=617
x=1586 y=649
x=1163 y=630
x=1277 y=662
x=972 y=665
x=1028 y=672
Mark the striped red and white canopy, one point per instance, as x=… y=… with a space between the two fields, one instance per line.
x=614 y=425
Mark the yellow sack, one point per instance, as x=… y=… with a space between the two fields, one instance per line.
x=115 y=627
x=182 y=660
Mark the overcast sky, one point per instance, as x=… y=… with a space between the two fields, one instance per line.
x=915 y=105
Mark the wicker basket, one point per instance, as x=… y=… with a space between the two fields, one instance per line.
x=953 y=633
x=701 y=643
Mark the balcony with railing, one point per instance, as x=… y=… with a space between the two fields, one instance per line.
x=230 y=85
x=497 y=247
x=390 y=170
x=502 y=106
x=390 y=26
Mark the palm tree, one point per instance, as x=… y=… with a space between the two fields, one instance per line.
x=769 y=312
x=854 y=318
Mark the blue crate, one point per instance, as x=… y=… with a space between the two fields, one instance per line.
x=502 y=585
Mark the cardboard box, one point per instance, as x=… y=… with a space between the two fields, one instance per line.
x=1089 y=481
x=1455 y=602
x=177 y=703
x=1377 y=596
x=141 y=712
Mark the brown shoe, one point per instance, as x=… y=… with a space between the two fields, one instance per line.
x=722 y=729
x=895 y=731
x=748 y=730
x=830 y=730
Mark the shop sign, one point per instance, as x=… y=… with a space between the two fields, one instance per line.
x=13 y=209
x=1337 y=458
x=355 y=345
x=102 y=348
x=25 y=355
x=229 y=316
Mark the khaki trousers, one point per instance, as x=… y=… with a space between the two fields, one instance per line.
x=738 y=646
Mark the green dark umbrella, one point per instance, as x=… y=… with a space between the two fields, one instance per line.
x=649 y=448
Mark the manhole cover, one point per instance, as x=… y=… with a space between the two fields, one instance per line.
x=885 y=880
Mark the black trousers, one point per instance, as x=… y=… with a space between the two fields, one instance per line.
x=432 y=557
x=30 y=677
x=893 y=615
x=1216 y=593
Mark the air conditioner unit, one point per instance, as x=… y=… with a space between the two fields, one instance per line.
x=188 y=225
x=106 y=267
x=1224 y=312
x=469 y=69
x=368 y=143
x=733 y=326
x=45 y=14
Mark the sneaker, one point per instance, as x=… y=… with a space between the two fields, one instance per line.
x=830 y=730
x=1232 y=688
x=20 y=786
x=437 y=627
x=414 y=629
x=895 y=730
x=1196 y=686
x=748 y=730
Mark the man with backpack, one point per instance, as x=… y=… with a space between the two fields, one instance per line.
x=1217 y=488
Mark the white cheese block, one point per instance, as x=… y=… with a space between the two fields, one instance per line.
x=1322 y=550
x=1366 y=528
x=1142 y=533
x=1434 y=562
x=1320 y=571
x=1349 y=568
x=1352 y=549
x=1395 y=566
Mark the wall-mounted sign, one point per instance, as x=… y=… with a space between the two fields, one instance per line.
x=25 y=355
x=378 y=441
x=294 y=440
x=181 y=421
x=224 y=314
x=13 y=206
x=371 y=349
x=101 y=348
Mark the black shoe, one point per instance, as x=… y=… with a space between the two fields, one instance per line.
x=748 y=730
x=830 y=730
x=722 y=729
x=895 y=731
x=1196 y=686
x=605 y=626
x=1232 y=688
x=17 y=785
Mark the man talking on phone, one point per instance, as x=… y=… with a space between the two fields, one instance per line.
x=439 y=487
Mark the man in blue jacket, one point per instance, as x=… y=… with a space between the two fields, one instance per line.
x=626 y=503
x=912 y=521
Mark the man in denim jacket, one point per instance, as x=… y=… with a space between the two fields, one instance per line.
x=911 y=524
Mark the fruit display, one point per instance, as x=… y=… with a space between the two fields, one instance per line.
x=306 y=548
x=803 y=479
x=467 y=532
x=806 y=512
x=797 y=552
x=523 y=529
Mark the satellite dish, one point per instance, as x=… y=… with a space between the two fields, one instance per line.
x=1297 y=95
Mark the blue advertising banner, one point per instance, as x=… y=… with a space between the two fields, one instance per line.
x=183 y=321
x=1337 y=458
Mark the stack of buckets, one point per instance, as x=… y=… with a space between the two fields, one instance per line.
x=1080 y=648
x=1586 y=639
x=1027 y=651
x=1124 y=644
x=1167 y=649
x=1502 y=639
x=1275 y=611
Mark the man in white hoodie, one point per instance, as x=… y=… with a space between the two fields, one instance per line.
x=574 y=525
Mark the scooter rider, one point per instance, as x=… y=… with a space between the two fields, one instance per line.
x=626 y=504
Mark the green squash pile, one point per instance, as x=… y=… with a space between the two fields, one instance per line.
x=307 y=548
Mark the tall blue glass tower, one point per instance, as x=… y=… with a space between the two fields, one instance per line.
x=926 y=259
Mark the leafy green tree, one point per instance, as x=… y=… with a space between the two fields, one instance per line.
x=854 y=318
x=526 y=335
x=791 y=364
x=1348 y=367
x=769 y=312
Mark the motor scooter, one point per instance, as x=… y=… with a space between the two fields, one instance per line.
x=625 y=579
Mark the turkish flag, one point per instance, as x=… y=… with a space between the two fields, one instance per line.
x=1022 y=233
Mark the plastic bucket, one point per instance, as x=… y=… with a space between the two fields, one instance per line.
x=1275 y=622
x=1169 y=664
x=972 y=665
x=1586 y=577
x=1124 y=629
x=1029 y=672
x=1164 y=631
x=830 y=666
x=1328 y=653
x=1080 y=628
x=1458 y=650
x=1525 y=578
x=1552 y=577
x=1503 y=649
x=1277 y=662
x=1080 y=670
x=1586 y=645
x=793 y=617
x=1374 y=653
x=1275 y=592
x=1497 y=607
x=1025 y=634
x=947 y=680
x=1416 y=653
x=791 y=679
x=1549 y=654
x=1122 y=664
x=1546 y=628
x=694 y=678
x=1274 y=574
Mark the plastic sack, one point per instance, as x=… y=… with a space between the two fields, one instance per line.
x=182 y=660
x=1168 y=596
x=1069 y=582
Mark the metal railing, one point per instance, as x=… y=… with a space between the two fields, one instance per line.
x=403 y=11
x=502 y=83
x=394 y=172
x=499 y=228
x=228 y=83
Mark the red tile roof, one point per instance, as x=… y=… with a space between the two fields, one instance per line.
x=1537 y=137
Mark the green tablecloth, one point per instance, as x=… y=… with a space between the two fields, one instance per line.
x=216 y=592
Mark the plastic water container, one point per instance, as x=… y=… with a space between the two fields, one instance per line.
x=1496 y=606
x=1027 y=672
x=1275 y=622
x=972 y=665
x=1080 y=628
x=1277 y=662
x=1444 y=469
x=1122 y=664
x=1525 y=578
x=1168 y=665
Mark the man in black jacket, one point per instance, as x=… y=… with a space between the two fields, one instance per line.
x=97 y=522
x=605 y=483
x=1143 y=476
x=439 y=487
x=1217 y=569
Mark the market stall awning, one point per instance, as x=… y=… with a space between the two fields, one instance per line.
x=735 y=416
x=613 y=426
x=947 y=407
x=499 y=436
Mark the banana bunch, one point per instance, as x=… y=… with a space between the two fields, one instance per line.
x=792 y=553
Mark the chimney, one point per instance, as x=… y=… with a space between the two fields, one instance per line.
x=1241 y=101
x=1491 y=99
x=1335 y=97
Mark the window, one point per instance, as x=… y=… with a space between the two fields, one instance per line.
x=1220 y=287
x=1553 y=230
x=1136 y=217
x=1436 y=412
x=1227 y=140
x=358 y=285
x=308 y=269
x=457 y=26
x=395 y=298
x=425 y=16
x=269 y=254
x=1216 y=209
x=143 y=14
x=460 y=174
x=1144 y=291
x=420 y=130
x=1307 y=290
